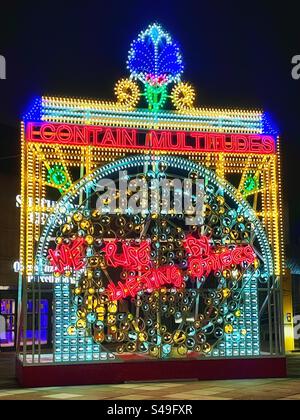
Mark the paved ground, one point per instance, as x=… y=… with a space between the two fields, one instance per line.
x=270 y=389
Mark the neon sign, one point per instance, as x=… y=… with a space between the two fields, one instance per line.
x=71 y=134
x=132 y=257
x=140 y=275
x=67 y=256
x=204 y=259
x=150 y=280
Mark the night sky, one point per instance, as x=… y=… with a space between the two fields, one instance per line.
x=236 y=53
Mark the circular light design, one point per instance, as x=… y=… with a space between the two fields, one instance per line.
x=222 y=307
x=183 y=96
x=58 y=177
x=250 y=184
x=127 y=92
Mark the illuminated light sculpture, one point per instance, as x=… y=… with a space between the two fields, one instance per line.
x=127 y=92
x=67 y=256
x=155 y=60
x=149 y=285
x=183 y=96
x=58 y=178
x=147 y=281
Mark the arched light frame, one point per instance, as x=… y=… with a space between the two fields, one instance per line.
x=91 y=179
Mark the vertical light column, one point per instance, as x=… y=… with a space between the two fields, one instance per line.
x=280 y=209
x=71 y=345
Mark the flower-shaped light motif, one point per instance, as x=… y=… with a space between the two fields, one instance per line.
x=183 y=96
x=58 y=177
x=251 y=184
x=127 y=92
x=154 y=58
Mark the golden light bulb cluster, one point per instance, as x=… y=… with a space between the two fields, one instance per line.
x=280 y=214
x=127 y=92
x=183 y=96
